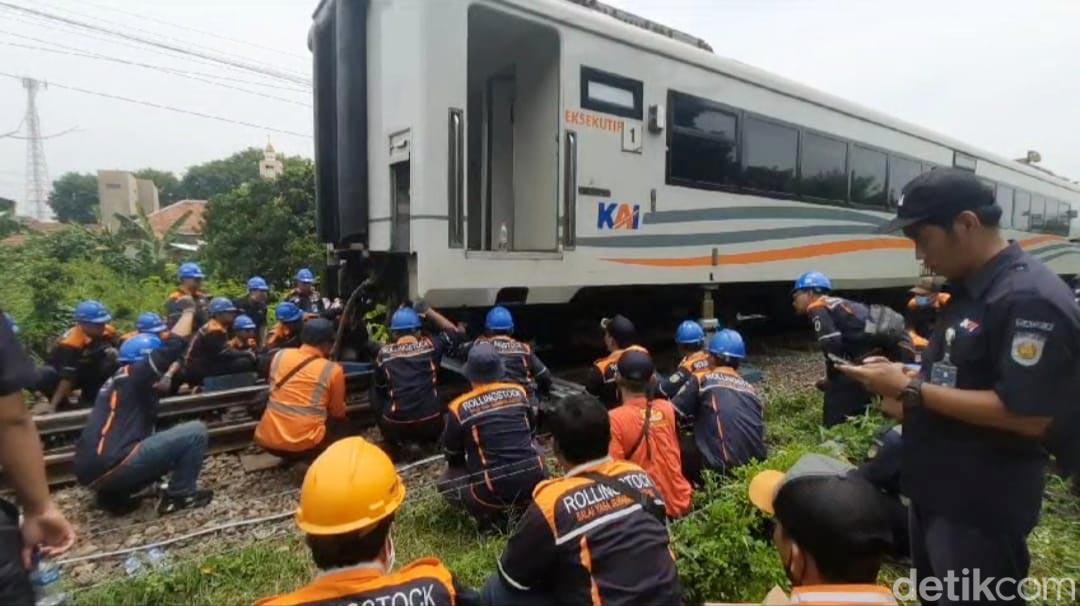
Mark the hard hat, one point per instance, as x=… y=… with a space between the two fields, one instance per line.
x=190 y=270
x=138 y=347
x=499 y=318
x=728 y=343
x=812 y=280
x=92 y=312
x=287 y=311
x=243 y=322
x=304 y=276
x=351 y=486
x=257 y=283
x=405 y=318
x=150 y=322
x=689 y=333
x=220 y=305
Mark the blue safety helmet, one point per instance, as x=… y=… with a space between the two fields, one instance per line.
x=243 y=322
x=728 y=343
x=92 y=312
x=257 y=283
x=150 y=322
x=499 y=318
x=138 y=347
x=287 y=311
x=689 y=333
x=190 y=270
x=221 y=305
x=812 y=280
x=305 y=276
x=404 y=319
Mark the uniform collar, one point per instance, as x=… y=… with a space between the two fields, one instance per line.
x=637 y=401
x=587 y=465
x=311 y=350
x=863 y=595
x=978 y=283
x=370 y=568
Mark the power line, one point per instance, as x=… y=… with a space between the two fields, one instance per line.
x=170 y=108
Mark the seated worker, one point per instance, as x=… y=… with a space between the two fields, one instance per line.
x=728 y=416
x=646 y=432
x=405 y=394
x=84 y=358
x=119 y=454
x=830 y=532
x=690 y=339
x=286 y=332
x=305 y=412
x=307 y=298
x=148 y=323
x=347 y=505
x=191 y=277
x=521 y=364
x=492 y=463
x=882 y=470
x=923 y=306
x=253 y=305
x=210 y=353
x=244 y=334
x=619 y=335
x=593 y=536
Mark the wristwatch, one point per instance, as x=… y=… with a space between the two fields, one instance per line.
x=912 y=394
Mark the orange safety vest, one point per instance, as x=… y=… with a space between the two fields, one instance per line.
x=608 y=365
x=425 y=581
x=295 y=416
x=657 y=452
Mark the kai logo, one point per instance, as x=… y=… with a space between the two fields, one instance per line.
x=615 y=215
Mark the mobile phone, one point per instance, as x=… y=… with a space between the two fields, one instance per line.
x=838 y=360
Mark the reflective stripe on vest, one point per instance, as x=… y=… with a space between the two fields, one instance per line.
x=313 y=408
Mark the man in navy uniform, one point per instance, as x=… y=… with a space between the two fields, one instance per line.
x=1002 y=366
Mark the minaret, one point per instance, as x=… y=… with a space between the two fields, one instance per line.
x=270 y=167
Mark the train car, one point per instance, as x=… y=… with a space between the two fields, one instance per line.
x=560 y=151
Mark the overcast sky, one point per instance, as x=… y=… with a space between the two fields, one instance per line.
x=1003 y=75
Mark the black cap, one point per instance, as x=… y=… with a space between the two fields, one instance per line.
x=941 y=193
x=318 y=331
x=635 y=365
x=484 y=364
x=621 y=329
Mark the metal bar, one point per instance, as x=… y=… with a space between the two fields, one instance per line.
x=570 y=192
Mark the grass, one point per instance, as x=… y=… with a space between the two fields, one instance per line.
x=722 y=551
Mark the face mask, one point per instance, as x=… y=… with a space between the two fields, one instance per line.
x=922 y=300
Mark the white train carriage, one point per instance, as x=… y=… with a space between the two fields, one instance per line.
x=539 y=151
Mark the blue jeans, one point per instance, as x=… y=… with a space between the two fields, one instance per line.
x=178 y=451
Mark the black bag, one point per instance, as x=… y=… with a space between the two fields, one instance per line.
x=885 y=325
x=258 y=405
x=653 y=506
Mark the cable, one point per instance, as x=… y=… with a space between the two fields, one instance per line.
x=171 y=108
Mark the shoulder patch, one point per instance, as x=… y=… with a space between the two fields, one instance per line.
x=1027 y=348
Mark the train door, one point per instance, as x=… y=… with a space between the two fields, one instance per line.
x=513 y=126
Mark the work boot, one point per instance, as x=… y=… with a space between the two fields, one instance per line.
x=173 y=503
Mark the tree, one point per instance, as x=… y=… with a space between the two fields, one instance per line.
x=204 y=181
x=74 y=198
x=264 y=228
x=168 y=185
x=7 y=205
x=150 y=251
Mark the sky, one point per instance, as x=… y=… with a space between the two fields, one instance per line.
x=999 y=74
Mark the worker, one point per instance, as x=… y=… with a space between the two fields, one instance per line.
x=492 y=463
x=882 y=469
x=254 y=306
x=286 y=332
x=924 y=305
x=829 y=531
x=1002 y=366
x=727 y=413
x=40 y=527
x=244 y=334
x=520 y=362
x=305 y=412
x=210 y=353
x=406 y=399
x=148 y=323
x=690 y=339
x=619 y=335
x=646 y=432
x=347 y=506
x=191 y=277
x=593 y=536
x=119 y=454
x=306 y=297
x=841 y=329
x=82 y=359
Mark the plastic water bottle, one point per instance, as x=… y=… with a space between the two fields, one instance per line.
x=45 y=579
x=157 y=557
x=133 y=564
x=504 y=237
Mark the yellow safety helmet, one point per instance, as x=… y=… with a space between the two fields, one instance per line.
x=349 y=487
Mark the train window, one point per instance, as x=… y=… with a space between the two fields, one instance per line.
x=1022 y=210
x=824 y=168
x=610 y=93
x=770 y=155
x=1038 y=211
x=901 y=172
x=1004 y=198
x=964 y=161
x=1065 y=214
x=869 y=169
x=702 y=149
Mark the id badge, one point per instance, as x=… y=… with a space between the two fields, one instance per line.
x=944 y=372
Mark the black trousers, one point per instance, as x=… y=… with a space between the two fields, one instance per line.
x=88 y=379
x=942 y=546
x=15 y=585
x=843 y=400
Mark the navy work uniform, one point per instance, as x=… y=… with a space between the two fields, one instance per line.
x=521 y=364
x=976 y=492
x=211 y=354
x=256 y=310
x=688 y=366
x=406 y=394
x=84 y=360
x=602 y=375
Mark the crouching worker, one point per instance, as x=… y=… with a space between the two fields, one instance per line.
x=119 y=454
x=728 y=416
x=286 y=332
x=306 y=409
x=830 y=531
x=347 y=506
x=594 y=536
x=83 y=359
x=493 y=465
x=211 y=354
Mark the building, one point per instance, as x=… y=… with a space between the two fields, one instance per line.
x=120 y=193
x=271 y=166
x=190 y=230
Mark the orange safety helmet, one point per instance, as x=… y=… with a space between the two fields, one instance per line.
x=349 y=487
